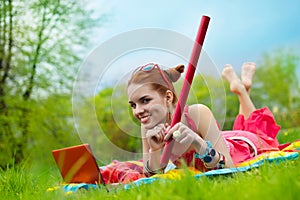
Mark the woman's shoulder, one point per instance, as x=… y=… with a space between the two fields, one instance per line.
x=194 y=108
x=192 y=114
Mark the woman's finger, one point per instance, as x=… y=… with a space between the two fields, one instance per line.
x=170 y=131
x=179 y=136
x=187 y=140
x=162 y=135
x=159 y=136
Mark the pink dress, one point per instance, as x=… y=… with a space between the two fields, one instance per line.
x=252 y=136
x=248 y=138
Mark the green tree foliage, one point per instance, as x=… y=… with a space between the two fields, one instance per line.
x=277 y=86
x=115 y=118
x=40 y=45
x=50 y=126
x=276 y=79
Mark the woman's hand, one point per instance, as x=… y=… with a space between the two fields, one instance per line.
x=184 y=137
x=155 y=137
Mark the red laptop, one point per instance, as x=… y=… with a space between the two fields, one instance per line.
x=78 y=165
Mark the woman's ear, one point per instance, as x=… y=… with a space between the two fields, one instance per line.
x=169 y=97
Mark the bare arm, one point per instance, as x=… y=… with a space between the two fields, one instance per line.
x=208 y=130
x=145 y=147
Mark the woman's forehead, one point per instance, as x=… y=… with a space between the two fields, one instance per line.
x=138 y=88
x=136 y=91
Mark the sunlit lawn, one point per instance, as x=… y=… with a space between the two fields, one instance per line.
x=270 y=181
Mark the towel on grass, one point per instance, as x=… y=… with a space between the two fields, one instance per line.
x=130 y=172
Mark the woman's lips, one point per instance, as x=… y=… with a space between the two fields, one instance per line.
x=145 y=119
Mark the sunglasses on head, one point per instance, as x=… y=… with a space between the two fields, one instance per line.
x=149 y=67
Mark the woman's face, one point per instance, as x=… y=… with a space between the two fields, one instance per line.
x=148 y=106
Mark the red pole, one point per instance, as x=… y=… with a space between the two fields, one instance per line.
x=186 y=86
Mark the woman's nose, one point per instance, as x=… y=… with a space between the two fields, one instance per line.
x=139 y=109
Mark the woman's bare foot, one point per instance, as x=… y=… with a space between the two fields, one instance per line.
x=248 y=71
x=236 y=85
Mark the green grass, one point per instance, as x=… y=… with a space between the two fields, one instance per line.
x=270 y=181
x=288 y=135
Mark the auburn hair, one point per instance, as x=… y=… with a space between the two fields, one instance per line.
x=156 y=80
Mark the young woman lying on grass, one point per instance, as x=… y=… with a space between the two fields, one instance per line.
x=198 y=141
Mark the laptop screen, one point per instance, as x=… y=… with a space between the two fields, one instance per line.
x=78 y=165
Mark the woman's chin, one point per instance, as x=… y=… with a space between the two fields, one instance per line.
x=149 y=126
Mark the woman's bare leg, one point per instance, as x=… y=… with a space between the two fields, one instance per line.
x=238 y=87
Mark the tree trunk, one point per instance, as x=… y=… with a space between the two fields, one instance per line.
x=3 y=42
x=24 y=122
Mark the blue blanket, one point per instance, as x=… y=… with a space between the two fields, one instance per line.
x=271 y=157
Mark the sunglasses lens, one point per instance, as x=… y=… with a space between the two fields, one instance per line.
x=148 y=67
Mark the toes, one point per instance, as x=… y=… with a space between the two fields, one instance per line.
x=228 y=65
x=228 y=73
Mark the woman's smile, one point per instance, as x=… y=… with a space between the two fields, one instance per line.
x=145 y=119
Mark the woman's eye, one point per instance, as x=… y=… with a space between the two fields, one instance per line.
x=132 y=105
x=146 y=101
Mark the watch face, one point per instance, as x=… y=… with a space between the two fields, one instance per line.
x=212 y=152
x=210 y=156
x=207 y=159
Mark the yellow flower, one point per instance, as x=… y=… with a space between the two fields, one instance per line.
x=53 y=188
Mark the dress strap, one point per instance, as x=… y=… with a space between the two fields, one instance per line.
x=190 y=121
